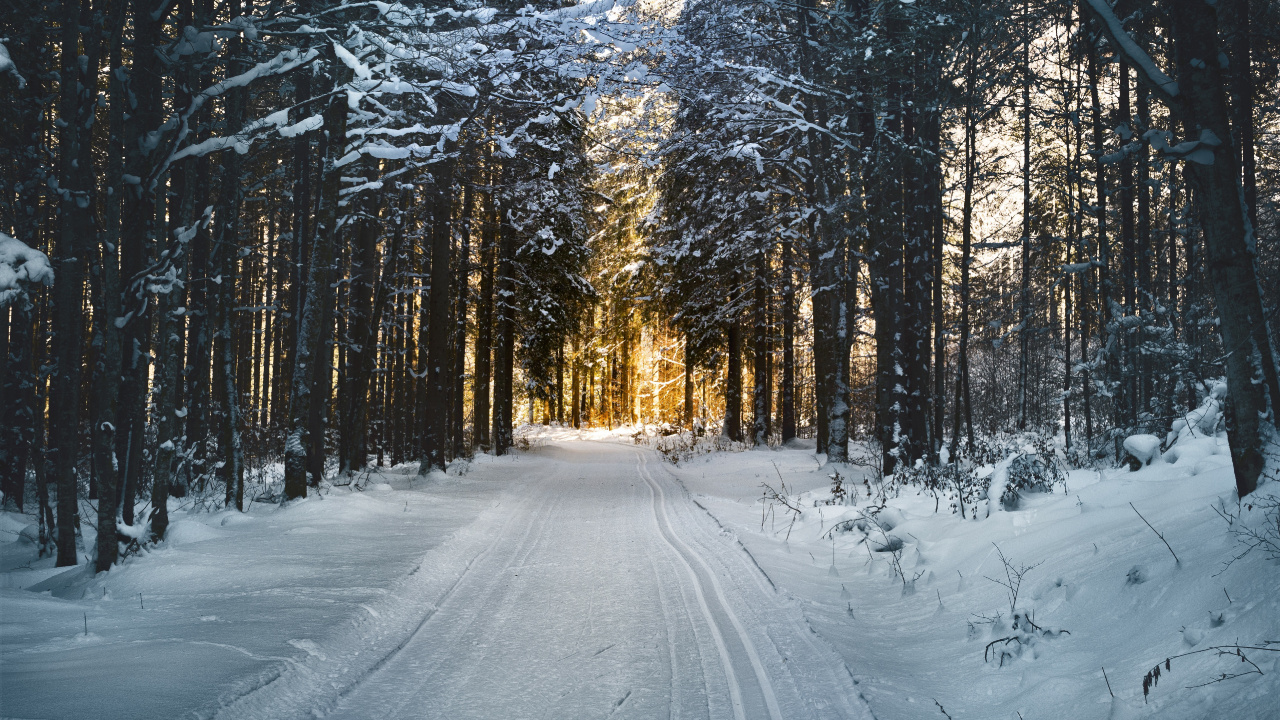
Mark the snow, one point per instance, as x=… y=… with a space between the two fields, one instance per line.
x=361 y=70
x=221 y=599
x=7 y=66
x=20 y=265
x=589 y=577
x=1132 y=51
x=910 y=644
x=306 y=125
x=1142 y=447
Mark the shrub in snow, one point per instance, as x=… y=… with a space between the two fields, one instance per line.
x=1024 y=634
x=682 y=446
x=1255 y=524
x=1036 y=468
x=996 y=471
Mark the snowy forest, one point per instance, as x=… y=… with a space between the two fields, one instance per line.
x=258 y=253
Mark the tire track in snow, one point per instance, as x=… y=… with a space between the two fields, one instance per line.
x=539 y=519
x=313 y=687
x=722 y=613
x=790 y=610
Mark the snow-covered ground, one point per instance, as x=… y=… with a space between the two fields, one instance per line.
x=1100 y=574
x=587 y=577
x=229 y=600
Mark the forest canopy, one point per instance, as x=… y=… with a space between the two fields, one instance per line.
x=248 y=247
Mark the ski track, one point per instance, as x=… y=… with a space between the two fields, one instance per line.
x=603 y=590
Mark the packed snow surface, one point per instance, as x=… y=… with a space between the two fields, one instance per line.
x=589 y=578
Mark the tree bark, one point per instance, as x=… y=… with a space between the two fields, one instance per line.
x=504 y=344
x=788 y=408
x=760 y=399
x=1229 y=240
x=75 y=233
x=311 y=367
x=483 y=365
x=438 y=366
x=733 y=382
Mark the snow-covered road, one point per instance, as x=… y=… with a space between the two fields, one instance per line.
x=585 y=579
x=604 y=591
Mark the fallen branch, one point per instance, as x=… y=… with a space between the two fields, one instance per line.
x=1157 y=532
x=1152 y=678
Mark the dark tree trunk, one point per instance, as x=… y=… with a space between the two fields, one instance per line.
x=504 y=344
x=200 y=292
x=461 y=293
x=106 y=377
x=1101 y=244
x=962 y=402
x=575 y=403
x=439 y=366
x=70 y=258
x=311 y=367
x=733 y=383
x=483 y=366
x=225 y=256
x=760 y=399
x=1024 y=304
x=361 y=338
x=887 y=246
x=1128 y=249
x=788 y=405
x=917 y=261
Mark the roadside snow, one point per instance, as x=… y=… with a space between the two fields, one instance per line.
x=1100 y=574
x=227 y=602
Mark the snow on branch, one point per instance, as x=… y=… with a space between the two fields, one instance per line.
x=7 y=66
x=19 y=265
x=283 y=62
x=1163 y=85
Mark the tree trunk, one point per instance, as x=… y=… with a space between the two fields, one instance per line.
x=363 y=320
x=1024 y=304
x=788 y=343
x=575 y=407
x=504 y=344
x=76 y=232
x=733 y=383
x=1229 y=240
x=760 y=399
x=461 y=292
x=688 y=382
x=225 y=255
x=106 y=377
x=439 y=366
x=311 y=367
x=966 y=253
x=483 y=366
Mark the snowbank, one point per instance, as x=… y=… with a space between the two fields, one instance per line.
x=227 y=602
x=916 y=600
x=1142 y=447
